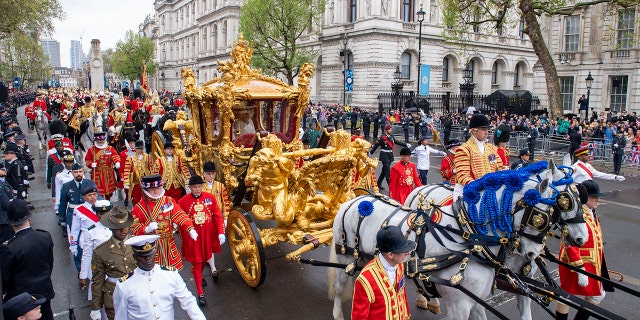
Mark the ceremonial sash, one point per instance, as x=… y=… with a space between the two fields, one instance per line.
x=88 y=213
x=585 y=169
x=389 y=143
x=56 y=158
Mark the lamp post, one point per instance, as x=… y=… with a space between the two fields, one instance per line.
x=589 y=80
x=468 y=86
x=420 y=15
x=343 y=53
x=396 y=86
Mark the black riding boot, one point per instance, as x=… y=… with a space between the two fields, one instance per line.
x=562 y=316
x=581 y=315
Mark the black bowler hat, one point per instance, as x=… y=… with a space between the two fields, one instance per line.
x=502 y=134
x=453 y=143
x=144 y=245
x=139 y=144
x=391 y=239
x=18 y=212
x=405 y=151
x=151 y=181
x=11 y=148
x=21 y=304
x=478 y=121
x=168 y=145
x=195 y=179
x=209 y=167
x=100 y=135
x=89 y=188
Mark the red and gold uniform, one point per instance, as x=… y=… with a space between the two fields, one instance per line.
x=29 y=112
x=165 y=211
x=135 y=167
x=136 y=105
x=591 y=255
x=208 y=222
x=375 y=297
x=218 y=190
x=448 y=168
x=404 y=178
x=39 y=103
x=174 y=173
x=119 y=117
x=101 y=103
x=471 y=164
x=105 y=160
x=503 y=153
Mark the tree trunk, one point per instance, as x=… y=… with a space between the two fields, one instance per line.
x=546 y=60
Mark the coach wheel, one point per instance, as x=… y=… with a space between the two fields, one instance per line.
x=246 y=247
x=157 y=145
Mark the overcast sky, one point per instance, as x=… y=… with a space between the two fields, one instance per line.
x=106 y=20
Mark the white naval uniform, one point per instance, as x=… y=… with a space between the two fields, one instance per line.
x=79 y=225
x=61 y=178
x=580 y=174
x=92 y=238
x=147 y=295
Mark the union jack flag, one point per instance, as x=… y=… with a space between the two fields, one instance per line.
x=634 y=156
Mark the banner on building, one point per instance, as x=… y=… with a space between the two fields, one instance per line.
x=349 y=80
x=425 y=73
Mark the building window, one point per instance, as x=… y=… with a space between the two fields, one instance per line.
x=521 y=28
x=407 y=10
x=516 y=77
x=445 y=69
x=224 y=34
x=353 y=12
x=619 y=86
x=405 y=66
x=494 y=73
x=204 y=48
x=214 y=38
x=471 y=65
x=476 y=26
x=350 y=60
x=571 y=33
x=566 y=93
x=626 y=19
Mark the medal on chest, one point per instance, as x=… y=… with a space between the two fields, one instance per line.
x=199 y=217
x=409 y=179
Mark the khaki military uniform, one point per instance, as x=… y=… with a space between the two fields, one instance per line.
x=111 y=261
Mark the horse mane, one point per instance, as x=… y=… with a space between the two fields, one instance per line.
x=490 y=215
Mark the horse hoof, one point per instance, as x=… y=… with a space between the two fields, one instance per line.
x=423 y=304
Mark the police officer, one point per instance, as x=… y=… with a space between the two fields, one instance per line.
x=148 y=292
x=366 y=124
x=18 y=257
x=16 y=175
x=24 y=153
x=111 y=261
x=386 y=142
x=71 y=198
x=6 y=196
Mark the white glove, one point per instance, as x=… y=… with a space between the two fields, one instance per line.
x=225 y=224
x=529 y=136
x=26 y=168
x=620 y=178
x=24 y=194
x=583 y=280
x=126 y=187
x=74 y=250
x=112 y=129
x=117 y=165
x=615 y=145
x=193 y=234
x=93 y=165
x=25 y=182
x=28 y=150
x=151 y=227
x=95 y=315
x=408 y=145
x=222 y=238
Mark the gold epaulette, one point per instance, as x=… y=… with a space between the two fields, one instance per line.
x=168 y=268
x=126 y=276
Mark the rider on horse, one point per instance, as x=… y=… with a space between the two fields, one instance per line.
x=117 y=118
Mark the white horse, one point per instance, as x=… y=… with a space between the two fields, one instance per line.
x=42 y=129
x=86 y=139
x=478 y=278
x=568 y=216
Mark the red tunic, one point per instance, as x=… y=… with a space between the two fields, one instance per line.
x=208 y=222
x=112 y=121
x=136 y=104
x=404 y=178
x=447 y=168
x=123 y=159
x=503 y=153
x=178 y=102
x=591 y=255
x=165 y=212
x=103 y=174
x=376 y=298
x=30 y=113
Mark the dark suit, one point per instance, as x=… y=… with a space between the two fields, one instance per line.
x=27 y=263
x=618 y=145
x=386 y=155
x=6 y=195
x=16 y=175
x=56 y=169
x=70 y=198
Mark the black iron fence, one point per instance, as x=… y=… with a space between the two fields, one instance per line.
x=518 y=104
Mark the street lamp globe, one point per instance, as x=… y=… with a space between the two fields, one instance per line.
x=421 y=14
x=396 y=74
x=589 y=79
x=468 y=74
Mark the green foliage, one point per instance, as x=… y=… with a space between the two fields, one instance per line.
x=107 y=56
x=24 y=58
x=274 y=27
x=131 y=53
x=28 y=16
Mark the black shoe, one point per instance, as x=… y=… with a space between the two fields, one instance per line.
x=214 y=275
x=204 y=282
x=381 y=187
x=126 y=204
x=202 y=301
x=31 y=207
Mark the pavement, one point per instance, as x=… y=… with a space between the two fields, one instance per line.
x=296 y=291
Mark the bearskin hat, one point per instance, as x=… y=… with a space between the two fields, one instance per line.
x=137 y=93
x=125 y=92
x=57 y=127
x=502 y=134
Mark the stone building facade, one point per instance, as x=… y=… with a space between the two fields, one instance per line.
x=380 y=36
